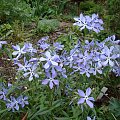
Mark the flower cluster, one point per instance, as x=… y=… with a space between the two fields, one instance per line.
x=92 y=57
x=12 y=102
x=27 y=48
x=43 y=44
x=28 y=61
x=91 y=23
x=88 y=57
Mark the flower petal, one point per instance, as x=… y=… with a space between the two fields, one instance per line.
x=56 y=82
x=51 y=84
x=54 y=73
x=88 y=118
x=91 y=98
x=54 y=63
x=81 y=100
x=88 y=91
x=111 y=63
x=15 y=52
x=89 y=103
x=46 y=66
x=47 y=54
x=45 y=82
x=105 y=63
x=81 y=93
x=42 y=59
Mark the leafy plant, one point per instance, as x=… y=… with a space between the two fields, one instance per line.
x=5 y=30
x=14 y=10
x=90 y=7
x=47 y=26
x=113 y=18
x=114 y=107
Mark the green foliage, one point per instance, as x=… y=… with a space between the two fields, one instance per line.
x=51 y=8
x=90 y=7
x=5 y=30
x=47 y=26
x=19 y=33
x=14 y=32
x=113 y=18
x=11 y=10
x=114 y=107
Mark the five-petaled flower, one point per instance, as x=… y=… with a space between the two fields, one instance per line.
x=51 y=60
x=108 y=57
x=32 y=72
x=50 y=80
x=19 y=51
x=85 y=97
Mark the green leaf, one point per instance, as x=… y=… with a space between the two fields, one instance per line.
x=2 y=111
x=114 y=107
x=62 y=118
x=46 y=110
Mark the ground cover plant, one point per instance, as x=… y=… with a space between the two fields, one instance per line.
x=74 y=75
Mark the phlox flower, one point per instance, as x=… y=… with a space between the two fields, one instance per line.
x=51 y=60
x=50 y=80
x=25 y=66
x=91 y=23
x=43 y=39
x=19 y=51
x=54 y=69
x=2 y=43
x=86 y=70
x=12 y=103
x=98 y=61
x=30 y=49
x=85 y=97
x=44 y=46
x=96 y=69
x=82 y=22
x=84 y=57
x=15 y=103
x=58 y=46
x=112 y=39
x=42 y=43
x=31 y=72
x=4 y=90
x=23 y=100
x=77 y=68
x=116 y=69
x=108 y=58
x=3 y=93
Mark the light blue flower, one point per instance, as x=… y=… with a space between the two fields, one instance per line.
x=19 y=51
x=12 y=103
x=85 y=97
x=2 y=43
x=31 y=72
x=108 y=57
x=51 y=60
x=50 y=80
